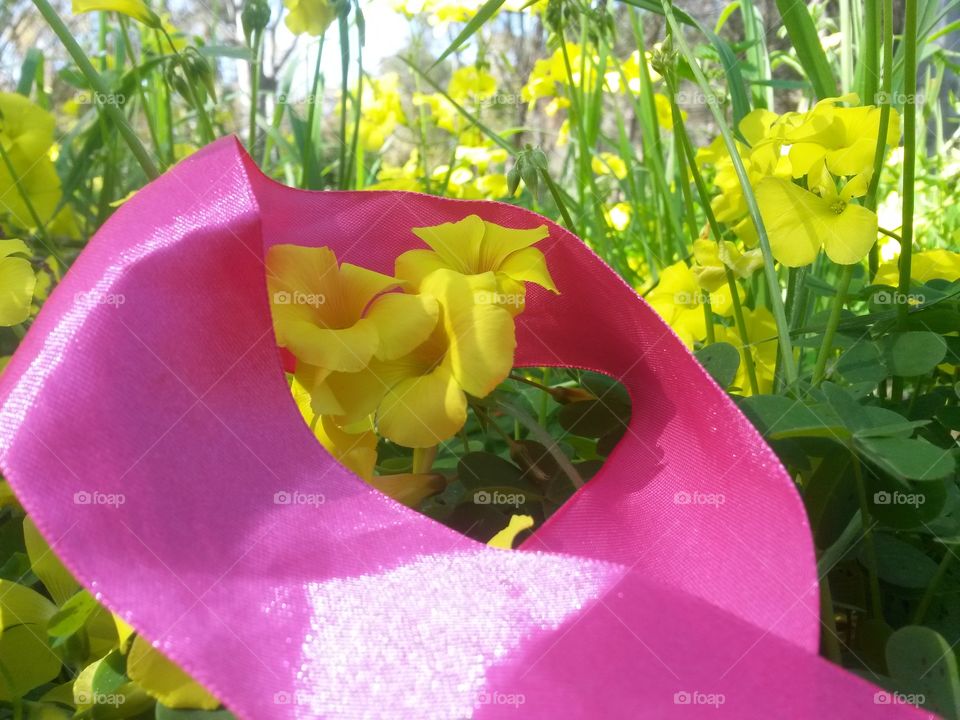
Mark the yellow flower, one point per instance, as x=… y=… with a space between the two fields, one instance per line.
x=357 y=451
x=618 y=216
x=312 y=17
x=713 y=259
x=665 y=111
x=421 y=399
x=337 y=317
x=799 y=222
x=26 y=133
x=609 y=164
x=475 y=247
x=136 y=9
x=924 y=266
x=17 y=282
x=678 y=300
x=471 y=84
x=762 y=333
x=382 y=111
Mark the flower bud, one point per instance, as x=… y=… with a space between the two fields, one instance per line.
x=254 y=17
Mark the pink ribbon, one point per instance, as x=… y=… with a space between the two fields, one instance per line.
x=147 y=427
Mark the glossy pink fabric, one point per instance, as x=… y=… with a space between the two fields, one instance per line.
x=152 y=375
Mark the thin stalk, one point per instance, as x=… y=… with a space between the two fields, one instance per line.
x=256 y=50
x=307 y=179
x=869 y=544
x=99 y=86
x=744 y=337
x=831 y=646
x=776 y=301
x=921 y=612
x=885 y=100
x=909 y=152
x=154 y=138
x=819 y=370
x=342 y=170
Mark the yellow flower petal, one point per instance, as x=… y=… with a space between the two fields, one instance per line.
x=402 y=322
x=17 y=281
x=457 y=243
x=481 y=336
x=506 y=537
x=848 y=235
x=414 y=265
x=345 y=350
x=136 y=9
x=528 y=265
x=793 y=218
x=408 y=488
x=423 y=411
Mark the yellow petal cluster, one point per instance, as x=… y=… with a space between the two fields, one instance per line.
x=398 y=357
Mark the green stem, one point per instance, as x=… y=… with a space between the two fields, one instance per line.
x=21 y=191
x=776 y=301
x=256 y=50
x=875 y=605
x=154 y=138
x=99 y=87
x=307 y=179
x=831 y=645
x=909 y=152
x=921 y=612
x=742 y=329
x=342 y=170
x=819 y=370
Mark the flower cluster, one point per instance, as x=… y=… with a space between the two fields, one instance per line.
x=808 y=171
x=398 y=356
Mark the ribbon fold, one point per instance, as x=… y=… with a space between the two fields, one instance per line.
x=681 y=578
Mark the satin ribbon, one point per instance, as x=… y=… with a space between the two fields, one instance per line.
x=680 y=580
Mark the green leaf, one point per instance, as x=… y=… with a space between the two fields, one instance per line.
x=906 y=459
x=32 y=62
x=910 y=354
x=486 y=12
x=45 y=565
x=862 y=363
x=900 y=563
x=26 y=661
x=780 y=417
x=721 y=360
x=921 y=662
x=803 y=34
x=72 y=615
